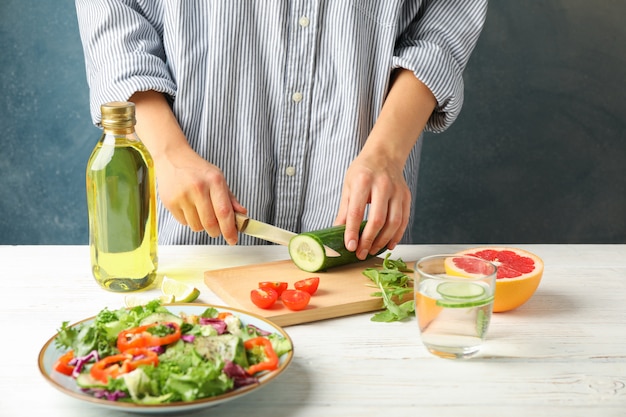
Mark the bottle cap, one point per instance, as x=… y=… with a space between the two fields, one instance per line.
x=118 y=115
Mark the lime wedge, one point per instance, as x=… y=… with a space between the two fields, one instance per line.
x=134 y=300
x=182 y=293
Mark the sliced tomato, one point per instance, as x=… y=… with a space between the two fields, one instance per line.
x=295 y=299
x=308 y=284
x=278 y=286
x=263 y=297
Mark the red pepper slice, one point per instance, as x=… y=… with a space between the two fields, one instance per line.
x=116 y=365
x=271 y=359
x=140 y=337
x=224 y=314
x=62 y=364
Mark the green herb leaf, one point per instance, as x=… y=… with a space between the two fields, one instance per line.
x=394 y=284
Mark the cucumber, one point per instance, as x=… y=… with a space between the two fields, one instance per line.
x=462 y=295
x=161 y=318
x=460 y=290
x=225 y=346
x=307 y=249
x=85 y=380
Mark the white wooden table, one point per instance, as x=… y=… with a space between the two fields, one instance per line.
x=561 y=354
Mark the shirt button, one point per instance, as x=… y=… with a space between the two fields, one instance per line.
x=297 y=97
x=291 y=171
x=304 y=21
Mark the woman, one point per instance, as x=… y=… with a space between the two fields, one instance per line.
x=302 y=114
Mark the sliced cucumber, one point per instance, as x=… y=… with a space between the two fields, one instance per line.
x=307 y=249
x=464 y=304
x=222 y=347
x=460 y=290
x=462 y=295
x=161 y=318
x=85 y=380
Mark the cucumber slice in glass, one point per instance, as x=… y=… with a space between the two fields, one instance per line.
x=464 y=304
x=462 y=295
x=460 y=290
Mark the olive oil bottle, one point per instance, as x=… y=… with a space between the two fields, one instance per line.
x=121 y=201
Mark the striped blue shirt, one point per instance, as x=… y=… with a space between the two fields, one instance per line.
x=280 y=94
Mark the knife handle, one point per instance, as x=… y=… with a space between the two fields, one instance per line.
x=241 y=220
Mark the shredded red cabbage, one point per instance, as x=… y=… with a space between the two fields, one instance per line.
x=218 y=324
x=238 y=375
x=252 y=330
x=107 y=395
x=189 y=338
x=79 y=363
x=158 y=349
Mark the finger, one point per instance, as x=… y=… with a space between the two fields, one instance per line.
x=206 y=215
x=378 y=231
x=222 y=207
x=394 y=225
x=178 y=214
x=406 y=214
x=355 y=211
x=191 y=218
x=205 y=197
x=375 y=221
x=237 y=205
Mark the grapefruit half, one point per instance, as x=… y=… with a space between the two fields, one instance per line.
x=519 y=274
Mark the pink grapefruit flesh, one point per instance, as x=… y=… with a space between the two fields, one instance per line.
x=519 y=274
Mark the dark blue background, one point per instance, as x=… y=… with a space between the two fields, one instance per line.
x=537 y=156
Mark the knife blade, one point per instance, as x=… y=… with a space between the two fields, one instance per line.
x=270 y=233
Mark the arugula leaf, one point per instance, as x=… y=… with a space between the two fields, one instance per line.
x=394 y=284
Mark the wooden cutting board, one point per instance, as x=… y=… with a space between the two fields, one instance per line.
x=342 y=290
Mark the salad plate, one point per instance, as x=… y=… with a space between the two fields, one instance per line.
x=50 y=353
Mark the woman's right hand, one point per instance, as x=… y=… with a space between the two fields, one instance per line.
x=196 y=193
x=192 y=189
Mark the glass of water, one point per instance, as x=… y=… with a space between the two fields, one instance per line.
x=453 y=303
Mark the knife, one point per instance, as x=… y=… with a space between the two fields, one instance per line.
x=270 y=233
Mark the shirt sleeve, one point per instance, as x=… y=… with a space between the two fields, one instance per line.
x=123 y=51
x=436 y=43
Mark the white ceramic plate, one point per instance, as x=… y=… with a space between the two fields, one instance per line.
x=50 y=353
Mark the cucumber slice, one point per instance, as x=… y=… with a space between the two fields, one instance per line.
x=161 y=318
x=222 y=347
x=307 y=249
x=464 y=304
x=462 y=295
x=85 y=380
x=460 y=290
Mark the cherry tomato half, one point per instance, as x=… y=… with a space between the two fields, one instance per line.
x=263 y=297
x=295 y=299
x=308 y=284
x=278 y=286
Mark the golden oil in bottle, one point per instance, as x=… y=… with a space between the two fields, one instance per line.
x=121 y=201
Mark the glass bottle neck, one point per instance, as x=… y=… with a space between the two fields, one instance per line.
x=117 y=131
